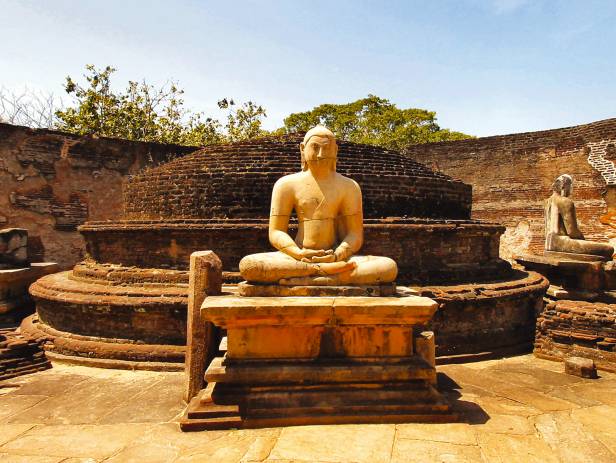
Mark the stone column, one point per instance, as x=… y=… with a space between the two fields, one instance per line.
x=205 y=279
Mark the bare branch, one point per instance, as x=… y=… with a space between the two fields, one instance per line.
x=29 y=108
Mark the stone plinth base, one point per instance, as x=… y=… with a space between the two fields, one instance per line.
x=486 y=320
x=579 y=316
x=573 y=256
x=136 y=318
x=99 y=352
x=103 y=322
x=578 y=329
x=319 y=360
x=565 y=271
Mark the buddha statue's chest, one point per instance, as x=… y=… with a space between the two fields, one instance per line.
x=317 y=203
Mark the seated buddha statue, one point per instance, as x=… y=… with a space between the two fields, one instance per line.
x=330 y=226
x=562 y=233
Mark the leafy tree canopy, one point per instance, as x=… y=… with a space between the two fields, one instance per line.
x=374 y=121
x=143 y=112
x=147 y=113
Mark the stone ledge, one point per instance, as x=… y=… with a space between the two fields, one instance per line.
x=322 y=371
x=526 y=281
x=61 y=287
x=230 y=310
x=34 y=271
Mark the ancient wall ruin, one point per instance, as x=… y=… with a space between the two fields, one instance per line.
x=51 y=182
x=511 y=176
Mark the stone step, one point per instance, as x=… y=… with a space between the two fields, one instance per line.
x=377 y=417
x=315 y=396
x=211 y=411
x=412 y=368
x=387 y=409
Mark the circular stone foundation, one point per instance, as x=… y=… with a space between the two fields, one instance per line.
x=119 y=326
x=486 y=320
x=127 y=316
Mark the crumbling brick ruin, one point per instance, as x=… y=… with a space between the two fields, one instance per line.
x=51 y=182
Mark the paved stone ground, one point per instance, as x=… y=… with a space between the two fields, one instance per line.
x=519 y=409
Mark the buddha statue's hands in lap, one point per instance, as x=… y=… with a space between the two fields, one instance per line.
x=562 y=233
x=329 y=211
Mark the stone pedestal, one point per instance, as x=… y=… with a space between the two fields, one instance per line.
x=319 y=360
x=579 y=313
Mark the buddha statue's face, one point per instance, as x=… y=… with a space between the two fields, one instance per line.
x=320 y=153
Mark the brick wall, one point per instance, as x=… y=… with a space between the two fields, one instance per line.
x=51 y=182
x=512 y=175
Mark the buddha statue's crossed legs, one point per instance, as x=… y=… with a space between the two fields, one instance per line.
x=279 y=268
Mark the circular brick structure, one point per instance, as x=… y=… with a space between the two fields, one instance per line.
x=126 y=304
x=235 y=182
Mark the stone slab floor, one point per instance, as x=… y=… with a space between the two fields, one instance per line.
x=520 y=409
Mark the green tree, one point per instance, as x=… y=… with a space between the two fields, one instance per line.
x=244 y=122
x=143 y=112
x=374 y=121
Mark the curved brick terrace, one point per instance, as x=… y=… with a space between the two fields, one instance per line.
x=519 y=409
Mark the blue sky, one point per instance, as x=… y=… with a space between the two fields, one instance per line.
x=485 y=66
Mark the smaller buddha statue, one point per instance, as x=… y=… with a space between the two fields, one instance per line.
x=328 y=206
x=562 y=233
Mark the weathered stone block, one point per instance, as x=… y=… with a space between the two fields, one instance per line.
x=582 y=367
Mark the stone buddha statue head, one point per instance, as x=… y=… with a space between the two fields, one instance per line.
x=563 y=185
x=319 y=149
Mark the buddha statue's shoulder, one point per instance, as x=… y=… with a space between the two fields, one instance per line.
x=559 y=201
x=288 y=180
x=348 y=183
x=563 y=202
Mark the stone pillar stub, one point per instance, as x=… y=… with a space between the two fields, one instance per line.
x=425 y=347
x=205 y=279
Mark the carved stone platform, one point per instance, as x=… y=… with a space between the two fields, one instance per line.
x=319 y=360
x=574 y=256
